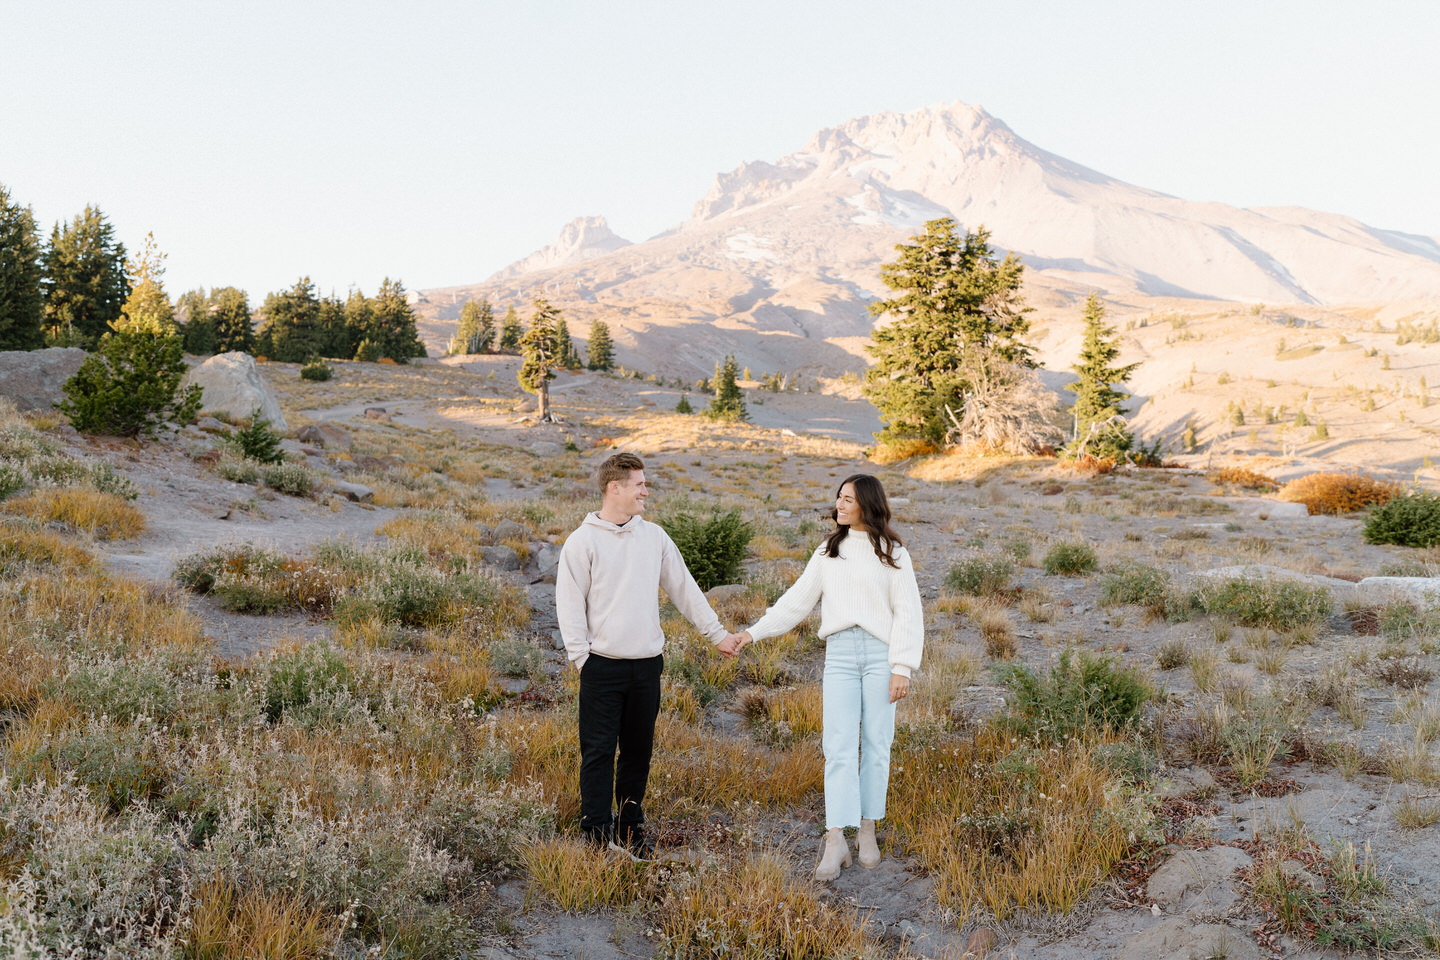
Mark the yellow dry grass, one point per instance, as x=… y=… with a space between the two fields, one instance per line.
x=580 y=878
x=22 y=545
x=256 y=925
x=105 y=611
x=102 y=515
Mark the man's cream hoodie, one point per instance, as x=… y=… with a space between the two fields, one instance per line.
x=607 y=590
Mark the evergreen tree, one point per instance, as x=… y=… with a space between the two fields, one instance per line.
x=958 y=311
x=21 y=306
x=334 y=324
x=394 y=327
x=1096 y=399
x=234 y=327
x=359 y=322
x=290 y=332
x=476 y=332
x=684 y=405
x=601 y=348
x=148 y=306
x=85 y=280
x=541 y=349
x=510 y=331
x=565 y=346
x=728 y=402
x=195 y=312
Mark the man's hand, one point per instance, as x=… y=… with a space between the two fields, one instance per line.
x=733 y=643
x=899 y=687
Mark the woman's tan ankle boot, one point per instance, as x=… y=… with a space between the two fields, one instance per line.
x=834 y=854
x=865 y=844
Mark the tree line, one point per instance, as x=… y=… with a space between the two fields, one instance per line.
x=73 y=290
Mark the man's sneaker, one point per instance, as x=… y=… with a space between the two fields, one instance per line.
x=630 y=839
x=600 y=838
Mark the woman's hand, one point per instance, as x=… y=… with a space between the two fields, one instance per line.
x=899 y=687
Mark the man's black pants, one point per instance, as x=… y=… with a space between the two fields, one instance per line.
x=619 y=701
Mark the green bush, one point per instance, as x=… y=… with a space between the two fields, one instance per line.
x=237 y=469
x=1070 y=559
x=256 y=441
x=713 y=548
x=684 y=406
x=292 y=478
x=297 y=678
x=515 y=658
x=1277 y=604
x=1134 y=583
x=130 y=386
x=1409 y=520
x=982 y=576
x=1084 y=694
x=317 y=369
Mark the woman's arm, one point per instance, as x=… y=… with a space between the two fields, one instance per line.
x=907 y=619
x=795 y=605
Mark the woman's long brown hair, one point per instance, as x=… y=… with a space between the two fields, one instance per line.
x=874 y=514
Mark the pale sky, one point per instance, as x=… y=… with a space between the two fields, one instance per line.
x=437 y=140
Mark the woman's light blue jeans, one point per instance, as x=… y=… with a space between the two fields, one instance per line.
x=859 y=725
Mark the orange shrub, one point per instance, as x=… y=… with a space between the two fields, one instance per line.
x=1240 y=477
x=893 y=451
x=1337 y=493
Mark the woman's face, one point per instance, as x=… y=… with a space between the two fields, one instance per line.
x=847 y=508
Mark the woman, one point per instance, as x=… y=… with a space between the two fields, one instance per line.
x=870 y=620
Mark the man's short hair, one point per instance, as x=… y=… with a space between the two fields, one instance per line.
x=616 y=467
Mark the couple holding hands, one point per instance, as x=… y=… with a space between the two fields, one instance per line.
x=606 y=597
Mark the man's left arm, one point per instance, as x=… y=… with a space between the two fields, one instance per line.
x=685 y=593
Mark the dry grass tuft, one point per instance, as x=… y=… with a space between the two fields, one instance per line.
x=256 y=926
x=24 y=546
x=102 y=515
x=579 y=878
x=1337 y=493
x=997 y=629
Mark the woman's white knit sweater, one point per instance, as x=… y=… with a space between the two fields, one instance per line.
x=856 y=589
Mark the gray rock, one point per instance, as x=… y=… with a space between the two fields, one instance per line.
x=784 y=513
x=354 y=492
x=724 y=592
x=545 y=448
x=232 y=384
x=485 y=534
x=211 y=425
x=547 y=559
x=1180 y=938
x=1381 y=590
x=501 y=556
x=1263 y=509
x=1198 y=879
x=32 y=379
x=376 y=413
x=1339 y=589
x=508 y=529
x=558 y=640
x=327 y=436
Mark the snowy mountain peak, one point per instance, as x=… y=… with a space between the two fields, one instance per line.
x=580 y=239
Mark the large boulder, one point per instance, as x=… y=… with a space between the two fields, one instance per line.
x=233 y=385
x=32 y=378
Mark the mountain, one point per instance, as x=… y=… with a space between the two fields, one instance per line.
x=579 y=240
x=778 y=261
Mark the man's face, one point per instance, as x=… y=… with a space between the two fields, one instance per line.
x=627 y=497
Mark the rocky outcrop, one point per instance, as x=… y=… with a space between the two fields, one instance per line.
x=232 y=385
x=32 y=379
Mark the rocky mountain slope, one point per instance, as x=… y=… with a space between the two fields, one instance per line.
x=778 y=260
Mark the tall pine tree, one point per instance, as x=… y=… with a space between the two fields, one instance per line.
x=601 y=348
x=85 y=280
x=541 y=349
x=234 y=327
x=20 y=275
x=291 y=331
x=195 y=312
x=1097 y=402
x=510 y=331
x=728 y=402
x=394 y=327
x=476 y=332
x=565 y=346
x=957 y=312
x=148 y=307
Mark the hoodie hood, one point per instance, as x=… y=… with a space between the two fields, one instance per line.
x=630 y=526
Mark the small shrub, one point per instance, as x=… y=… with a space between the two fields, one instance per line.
x=1082 y=694
x=1407 y=674
x=237 y=469
x=317 y=369
x=515 y=658
x=1411 y=519
x=1337 y=493
x=981 y=576
x=1070 y=559
x=256 y=441
x=713 y=548
x=1277 y=604
x=131 y=385
x=684 y=405
x=102 y=515
x=1134 y=583
x=998 y=632
x=292 y=478
x=1172 y=654
x=1240 y=477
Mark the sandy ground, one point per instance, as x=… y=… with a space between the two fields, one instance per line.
x=189 y=509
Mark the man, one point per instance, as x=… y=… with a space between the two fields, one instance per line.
x=607 y=601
